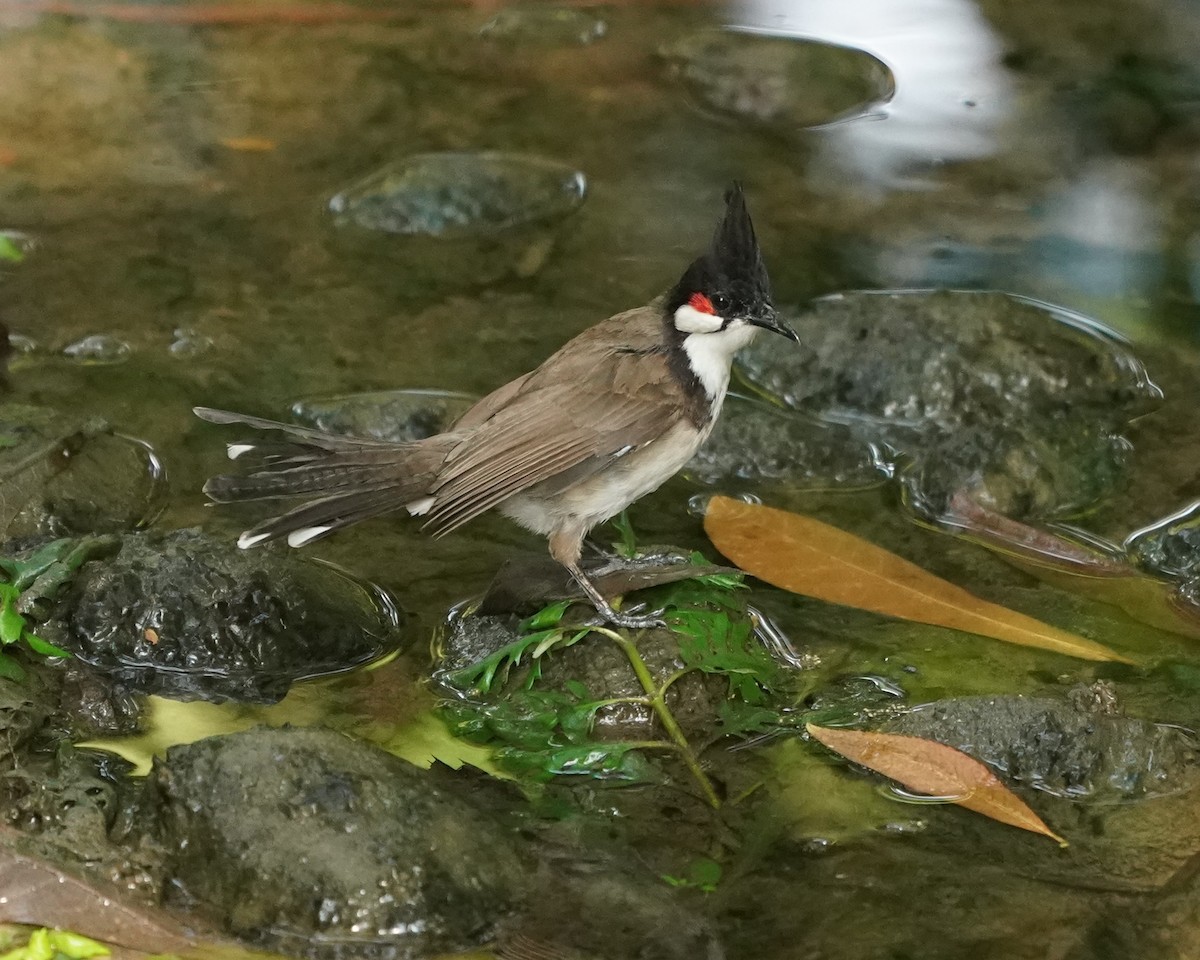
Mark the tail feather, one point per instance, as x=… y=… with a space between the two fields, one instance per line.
x=350 y=478
x=332 y=473
x=318 y=438
x=319 y=518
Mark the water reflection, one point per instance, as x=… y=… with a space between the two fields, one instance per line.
x=952 y=93
x=1101 y=233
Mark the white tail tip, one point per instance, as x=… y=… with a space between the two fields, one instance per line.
x=246 y=540
x=298 y=538
x=418 y=508
x=235 y=450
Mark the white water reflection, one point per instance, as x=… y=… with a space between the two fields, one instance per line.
x=1101 y=232
x=953 y=94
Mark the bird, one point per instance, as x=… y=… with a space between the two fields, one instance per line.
x=605 y=420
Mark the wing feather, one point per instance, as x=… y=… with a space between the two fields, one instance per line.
x=564 y=424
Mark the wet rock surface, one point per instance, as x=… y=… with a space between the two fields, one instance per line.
x=23 y=711
x=188 y=616
x=455 y=221
x=775 y=81
x=64 y=475
x=460 y=194
x=312 y=843
x=393 y=415
x=92 y=704
x=71 y=800
x=98 y=348
x=523 y=585
x=1017 y=403
x=1073 y=749
x=544 y=25
x=595 y=663
x=604 y=671
x=1170 y=547
x=758 y=443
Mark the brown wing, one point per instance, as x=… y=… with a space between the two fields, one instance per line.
x=607 y=395
x=486 y=408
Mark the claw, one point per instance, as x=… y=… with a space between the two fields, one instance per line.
x=631 y=621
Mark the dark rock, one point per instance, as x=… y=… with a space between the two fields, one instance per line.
x=97 y=349
x=755 y=442
x=544 y=24
x=23 y=711
x=393 y=415
x=524 y=585
x=317 y=845
x=460 y=194
x=64 y=475
x=695 y=699
x=96 y=706
x=1063 y=748
x=185 y=615
x=1170 y=547
x=604 y=670
x=455 y=221
x=1024 y=470
x=73 y=801
x=786 y=83
x=1017 y=404
x=596 y=662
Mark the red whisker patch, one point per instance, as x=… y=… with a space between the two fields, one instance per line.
x=698 y=301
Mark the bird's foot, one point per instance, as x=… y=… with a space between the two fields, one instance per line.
x=608 y=613
x=631 y=620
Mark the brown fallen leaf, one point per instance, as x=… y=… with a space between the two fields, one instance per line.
x=212 y=14
x=936 y=770
x=248 y=144
x=1103 y=575
x=806 y=556
x=34 y=891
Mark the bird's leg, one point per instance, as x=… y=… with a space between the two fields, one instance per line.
x=565 y=546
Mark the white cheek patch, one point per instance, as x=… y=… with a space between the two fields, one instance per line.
x=710 y=357
x=690 y=320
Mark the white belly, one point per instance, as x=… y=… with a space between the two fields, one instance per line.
x=607 y=493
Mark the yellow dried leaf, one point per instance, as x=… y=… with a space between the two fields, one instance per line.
x=936 y=770
x=807 y=556
x=248 y=144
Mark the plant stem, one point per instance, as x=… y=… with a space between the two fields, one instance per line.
x=656 y=698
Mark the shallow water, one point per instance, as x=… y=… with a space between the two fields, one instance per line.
x=175 y=181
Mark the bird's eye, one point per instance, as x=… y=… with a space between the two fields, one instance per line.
x=720 y=302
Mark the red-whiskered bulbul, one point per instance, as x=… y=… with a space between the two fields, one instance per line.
x=608 y=418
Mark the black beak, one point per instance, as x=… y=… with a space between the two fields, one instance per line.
x=770 y=323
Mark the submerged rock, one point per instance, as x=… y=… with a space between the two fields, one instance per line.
x=777 y=81
x=1017 y=404
x=454 y=221
x=1069 y=749
x=1023 y=470
x=460 y=194
x=758 y=443
x=62 y=475
x=544 y=24
x=184 y=615
x=714 y=630
x=72 y=800
x=603 y=670
x=393 y=415
x=24 y=708
x=1171 y=546
x=317 y=845
x=99 y=348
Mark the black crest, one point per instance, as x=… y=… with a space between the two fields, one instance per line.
x=732 y=267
